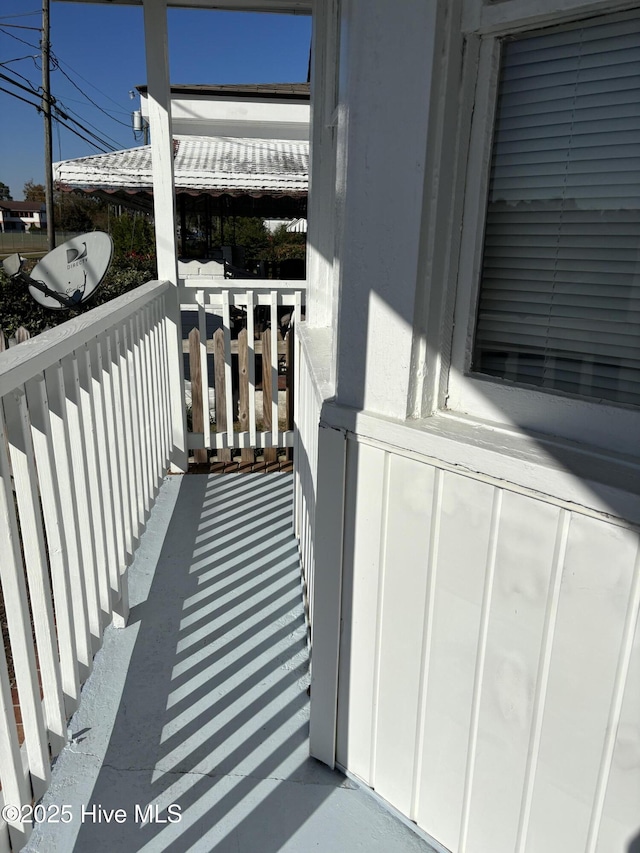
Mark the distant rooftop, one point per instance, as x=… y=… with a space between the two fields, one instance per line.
x=21 y=206
x=281 y=91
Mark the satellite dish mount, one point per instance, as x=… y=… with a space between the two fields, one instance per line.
x=68 y=276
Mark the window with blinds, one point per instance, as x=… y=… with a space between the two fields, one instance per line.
x=559 y=303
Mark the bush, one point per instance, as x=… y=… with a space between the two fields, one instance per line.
x=128 y=270
x=18 y=308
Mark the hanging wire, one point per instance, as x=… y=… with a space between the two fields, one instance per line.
x=65 y=117
x=21 y=15
x=22 y=77
x=17 y=38
x=84 y=94
x=20 y=98
x=86 y=121
x=21 y=27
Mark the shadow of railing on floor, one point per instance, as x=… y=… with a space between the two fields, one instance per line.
x=213 y=717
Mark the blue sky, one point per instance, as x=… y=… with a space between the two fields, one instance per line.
x=99 y=50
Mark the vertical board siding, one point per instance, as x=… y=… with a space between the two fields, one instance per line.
x=514 y=643
x=404 y=581
x=457 y=612
x=364 y=490
x=489 y=677
x=84 y=443
x=622 y=794
x=596 y=584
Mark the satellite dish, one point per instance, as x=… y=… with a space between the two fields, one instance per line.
x=68 y=275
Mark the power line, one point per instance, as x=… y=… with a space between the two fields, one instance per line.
x=20 y=15
x=84 y=138
x=109 y=112
x=86 y=130
x=20 y=98
x=21 y=27
x=91 y=101
x=93 y=86
x=90 y=124
x=18 y=74
x=17 y=38
x=33 y=56
x=101 y=147
x=31 y=90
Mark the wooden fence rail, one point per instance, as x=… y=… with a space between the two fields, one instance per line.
x=20 y=336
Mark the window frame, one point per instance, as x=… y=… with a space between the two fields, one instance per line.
x=494 y=400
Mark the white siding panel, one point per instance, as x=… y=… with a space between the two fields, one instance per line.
x=489 y=682
x=593 y=602
x=405 y=571
x=524 y=559
x=465 y=525
x=363 y=521
x=622 y=802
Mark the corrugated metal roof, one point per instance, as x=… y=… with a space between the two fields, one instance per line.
x=205 y=164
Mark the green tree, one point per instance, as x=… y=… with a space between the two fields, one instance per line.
x=133 y=235
x=251 y=234
x=5 y=193
x=76 y=212
x=33 y=192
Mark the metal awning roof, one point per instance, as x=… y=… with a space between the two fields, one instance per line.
x=208 y=165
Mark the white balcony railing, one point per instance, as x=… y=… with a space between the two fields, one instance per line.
x=91 y=416
x=239 y=357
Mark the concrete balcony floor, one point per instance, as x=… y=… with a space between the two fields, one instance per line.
x=201 y=702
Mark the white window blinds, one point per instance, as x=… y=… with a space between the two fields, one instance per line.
x=559 y=303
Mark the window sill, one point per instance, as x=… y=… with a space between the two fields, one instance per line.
x=581 y=477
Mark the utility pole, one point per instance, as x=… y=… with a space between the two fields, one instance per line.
x=46 y=111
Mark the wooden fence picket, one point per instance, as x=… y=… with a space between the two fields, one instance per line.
x=224 y=453
x=246 y=454
x=200 y=454
x=270 y=452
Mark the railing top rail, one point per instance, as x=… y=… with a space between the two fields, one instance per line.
x=21 y=363
x=241 y=285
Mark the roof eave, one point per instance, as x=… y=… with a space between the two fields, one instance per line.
x=282 y=7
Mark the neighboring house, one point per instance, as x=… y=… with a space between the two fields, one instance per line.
x=468 y=465
x=293 y=226
x=22 y=215
x=262 y=110
x=239 y=151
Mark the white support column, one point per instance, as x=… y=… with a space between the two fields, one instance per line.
x=159 y=99
x=322 y=296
